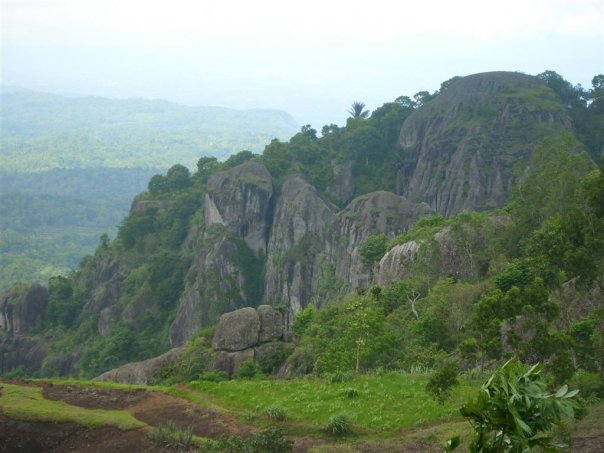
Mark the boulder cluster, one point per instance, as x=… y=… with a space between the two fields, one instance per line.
x=247 y=333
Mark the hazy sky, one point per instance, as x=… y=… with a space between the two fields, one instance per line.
x=311 y=58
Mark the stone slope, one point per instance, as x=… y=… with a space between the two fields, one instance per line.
x=459 y=150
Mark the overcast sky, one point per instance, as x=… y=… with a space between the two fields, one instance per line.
x=311 y=58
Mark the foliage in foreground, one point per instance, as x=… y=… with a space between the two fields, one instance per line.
x=514 y=411
x=270 y=440
x=170 y=435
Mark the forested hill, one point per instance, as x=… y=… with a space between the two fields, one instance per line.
x=71 y=165
x=437 y=225
x=41 y=131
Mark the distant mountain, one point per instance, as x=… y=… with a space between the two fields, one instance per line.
x=40 y=131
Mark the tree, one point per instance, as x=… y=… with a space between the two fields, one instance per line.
x=357 y=110
x=514 y=412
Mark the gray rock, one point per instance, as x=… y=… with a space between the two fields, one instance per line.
x=141 y=373
x=377 y=212
x=459 y=150
x=230 y=362
x=239 y=199
x=237 y=330
x=394 y=263
x=271 y=324
x=342 y=187
x=300 y=219
x=22 y=307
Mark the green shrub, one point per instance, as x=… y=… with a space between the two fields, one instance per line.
x=515 y=412
x=249 y=370
x=275 y=357
x=170 y=435
x=276 y=412
x=339 y=425
x=270 y=440
x=442 y=381
x=340 y=376
x=351 y=393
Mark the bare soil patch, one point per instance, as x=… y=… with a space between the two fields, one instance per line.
x=93 y=397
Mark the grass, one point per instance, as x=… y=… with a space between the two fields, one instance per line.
x=27 y=404
x=384 y=404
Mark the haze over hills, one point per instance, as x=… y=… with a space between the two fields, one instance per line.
x=41 y=131
x=70 y=166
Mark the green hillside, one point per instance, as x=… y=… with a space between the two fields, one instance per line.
x=41 y=131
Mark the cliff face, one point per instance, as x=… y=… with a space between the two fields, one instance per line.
x=245 y=239
x=228 y=249
x=377 y=212
x=21 y=308
x=459 y=150
x=239 y=200
x=297 y=232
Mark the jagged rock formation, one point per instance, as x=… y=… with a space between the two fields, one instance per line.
x=459 y=150
x=21 y=309
x=228 y=250
x=297 y=233
x=246 y=334
x=378 y=212
x=239 y=200
x=141 y=373
x=342 y=187
x=394 y=265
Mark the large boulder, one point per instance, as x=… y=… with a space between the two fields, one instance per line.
x=237 y=330
x=271 y=324
x=141 y=373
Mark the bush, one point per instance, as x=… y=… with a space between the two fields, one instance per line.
x=249 y=370
x=170 y=435
x=340 y=376
x=515 y=412
x=271 y=440
x=339 y=425
x=276 y=412
x=442 y=381
x=351 y=393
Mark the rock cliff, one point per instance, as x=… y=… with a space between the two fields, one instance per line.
x=459 y=150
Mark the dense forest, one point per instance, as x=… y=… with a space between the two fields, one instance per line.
x=71 y=166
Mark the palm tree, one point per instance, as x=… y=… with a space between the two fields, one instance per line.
x=356 y=111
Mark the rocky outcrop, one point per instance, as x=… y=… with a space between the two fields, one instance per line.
x=141 y=373
x=394 y=264
x=22 y=307
x=244 y=334
x=459 y=150
x=237 y=330
x=239 y=199
x=20 y=351
x=300 y=219
x=342 y=188
x=228 y=250
x=219 y=286
x=377 y=212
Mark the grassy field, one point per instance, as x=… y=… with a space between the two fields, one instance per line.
x=383 y=405
x=27 y=403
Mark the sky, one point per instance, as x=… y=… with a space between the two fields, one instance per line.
x=311 y=58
